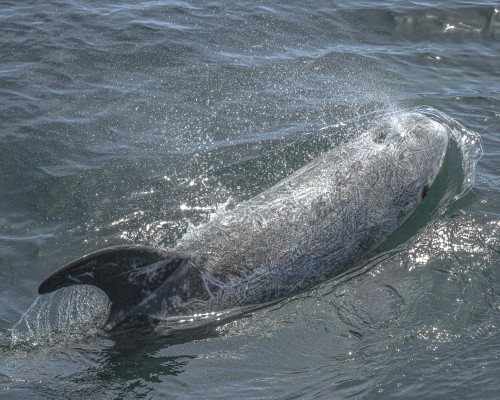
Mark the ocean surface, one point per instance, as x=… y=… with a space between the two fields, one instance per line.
x=132 y=122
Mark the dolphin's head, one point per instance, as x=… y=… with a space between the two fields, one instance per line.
x=416 y=145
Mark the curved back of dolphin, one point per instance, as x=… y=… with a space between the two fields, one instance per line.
x=312 y=225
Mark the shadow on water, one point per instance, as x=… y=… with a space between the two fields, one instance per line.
x=110 y=362
x=136 y=357
x=134 y=353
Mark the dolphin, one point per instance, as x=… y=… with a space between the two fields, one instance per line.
x=313 y=225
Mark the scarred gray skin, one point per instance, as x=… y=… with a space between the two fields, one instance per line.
x=314 y=224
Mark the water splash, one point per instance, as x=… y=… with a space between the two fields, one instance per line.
x=69 y=313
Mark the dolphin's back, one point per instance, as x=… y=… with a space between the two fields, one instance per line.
x=323 y=217
x=312 y=225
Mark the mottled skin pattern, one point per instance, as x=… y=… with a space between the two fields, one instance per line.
x=315 y=224
x=310 y=226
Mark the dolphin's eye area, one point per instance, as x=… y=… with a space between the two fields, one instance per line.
x=425 y=190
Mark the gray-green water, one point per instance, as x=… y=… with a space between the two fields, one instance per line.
x=127 y=122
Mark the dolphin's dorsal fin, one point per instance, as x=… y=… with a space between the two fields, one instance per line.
x=127 y=274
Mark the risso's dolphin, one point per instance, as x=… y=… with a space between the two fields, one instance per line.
x=314 y=224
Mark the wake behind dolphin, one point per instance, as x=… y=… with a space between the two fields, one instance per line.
x=313 y=225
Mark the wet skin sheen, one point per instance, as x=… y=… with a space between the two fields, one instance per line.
x=313 y=225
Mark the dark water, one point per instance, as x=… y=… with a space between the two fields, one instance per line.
x=129 y=122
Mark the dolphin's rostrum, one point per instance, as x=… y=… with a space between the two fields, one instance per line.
x=314 y=224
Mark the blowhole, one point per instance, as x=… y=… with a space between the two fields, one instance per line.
x=380 y=136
